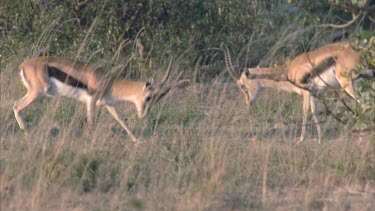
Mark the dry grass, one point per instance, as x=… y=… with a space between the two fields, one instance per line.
x=202 y=152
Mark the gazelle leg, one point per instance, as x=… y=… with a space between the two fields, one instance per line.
x=113 y=112
x=313 y=104
x=22 y=103
x=91 y=110
x=345 y=81
x=305 y=110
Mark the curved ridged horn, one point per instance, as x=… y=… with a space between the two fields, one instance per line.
x=166 y=76
x=228 y=63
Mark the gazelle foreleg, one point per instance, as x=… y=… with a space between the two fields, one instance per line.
x=114 y=114
x=91 y=110
x=313 y=104
x=305 y=110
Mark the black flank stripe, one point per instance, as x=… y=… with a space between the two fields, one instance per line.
x=65 y=78
x=318 y=69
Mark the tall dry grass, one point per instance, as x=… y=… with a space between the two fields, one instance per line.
x=202 y=151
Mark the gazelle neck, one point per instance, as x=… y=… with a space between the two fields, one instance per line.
x=124 y=90
x=279 y=85
x=275 y=78
x=268 y=71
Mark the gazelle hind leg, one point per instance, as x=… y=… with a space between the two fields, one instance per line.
x=313 y=104
x=22 y=103
x=345 y=81
x=305 y=110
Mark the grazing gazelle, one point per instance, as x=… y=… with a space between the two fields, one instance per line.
x=49 y=76
x=329 y=66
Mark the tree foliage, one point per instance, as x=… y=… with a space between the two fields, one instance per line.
x=63 y=25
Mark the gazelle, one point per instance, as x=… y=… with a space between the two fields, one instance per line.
x=50 y=76
x=329 y=66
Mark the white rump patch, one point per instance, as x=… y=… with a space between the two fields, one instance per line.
x=23 y=79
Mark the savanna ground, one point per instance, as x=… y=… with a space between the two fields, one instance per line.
x=202 y=151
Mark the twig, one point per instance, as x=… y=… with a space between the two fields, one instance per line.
x=335 y=26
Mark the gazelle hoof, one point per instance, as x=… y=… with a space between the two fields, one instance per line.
x=300 y=141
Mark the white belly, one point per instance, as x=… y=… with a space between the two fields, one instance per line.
x=326 y=79
x=58 y=88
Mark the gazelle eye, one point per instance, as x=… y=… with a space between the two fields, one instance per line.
x=243 y=87
x=148 y=98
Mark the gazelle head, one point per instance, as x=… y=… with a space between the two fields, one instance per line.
x=152 y=93
x=250 y=88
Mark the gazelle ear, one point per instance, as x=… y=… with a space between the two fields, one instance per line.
x=149 y=82
x=247 y=73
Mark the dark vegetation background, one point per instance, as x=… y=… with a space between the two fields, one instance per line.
x=150 y=31
x=203 y=150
